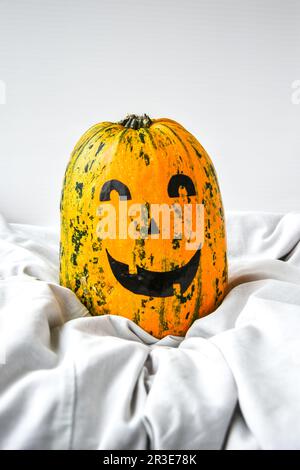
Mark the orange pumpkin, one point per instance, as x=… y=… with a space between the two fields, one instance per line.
x=158 y=282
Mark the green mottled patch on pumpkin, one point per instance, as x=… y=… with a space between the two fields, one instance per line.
x=78 y=189
x=100 y=147
x=98 y=289
x=161 y=313
x=208 y=187
x=173 y=266
x=199 y=295
x=77 y=237
x=175 y=243
x=151 y=259
x=218 y=291
x=145 y=157
x=140 y=248
x=197 y=152
x=97 y=246
x=184 y=298
x=77 y=283
x=137 y=317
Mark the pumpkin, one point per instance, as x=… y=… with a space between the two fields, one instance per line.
x=158 y=282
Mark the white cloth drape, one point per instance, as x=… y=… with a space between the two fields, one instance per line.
x=72 y=381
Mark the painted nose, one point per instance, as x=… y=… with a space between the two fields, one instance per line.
x=153 y=228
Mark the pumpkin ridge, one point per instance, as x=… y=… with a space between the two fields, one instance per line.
x=90 y=137
x=177 y=136
x=84 y=145
x=150 y=134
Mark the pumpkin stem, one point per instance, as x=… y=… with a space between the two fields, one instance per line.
x=132 y=121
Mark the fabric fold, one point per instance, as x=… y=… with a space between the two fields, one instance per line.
x=72 y=381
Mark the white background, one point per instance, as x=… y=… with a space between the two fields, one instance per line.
x=223 y=69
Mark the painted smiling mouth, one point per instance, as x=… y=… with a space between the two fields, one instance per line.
x=155 y=283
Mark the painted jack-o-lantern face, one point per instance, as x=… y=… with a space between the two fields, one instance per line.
x=151 y=270
x=146 y=282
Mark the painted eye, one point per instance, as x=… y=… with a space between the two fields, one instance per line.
x=114 y=185
x=178 y=181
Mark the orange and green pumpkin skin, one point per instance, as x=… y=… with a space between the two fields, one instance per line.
x=144 y=160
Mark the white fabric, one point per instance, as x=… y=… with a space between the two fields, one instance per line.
x=73 y=381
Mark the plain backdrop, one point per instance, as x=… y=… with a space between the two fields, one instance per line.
x=225 y=69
